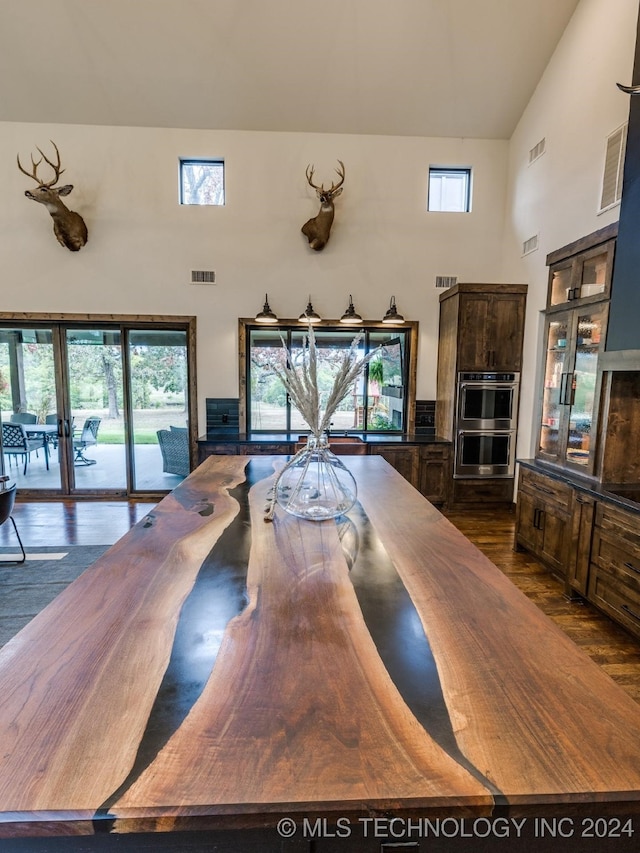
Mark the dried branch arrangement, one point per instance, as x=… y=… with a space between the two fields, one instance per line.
x=301 y=384
x=301 y=381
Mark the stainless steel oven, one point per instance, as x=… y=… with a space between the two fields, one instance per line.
x=486 y=421
x=484 y=453
x=487 y=401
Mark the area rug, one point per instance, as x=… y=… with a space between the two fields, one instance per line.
x=27 y=588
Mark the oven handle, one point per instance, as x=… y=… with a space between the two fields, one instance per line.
x=493 y=386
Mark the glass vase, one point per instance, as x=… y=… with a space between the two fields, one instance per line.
x=316 y=485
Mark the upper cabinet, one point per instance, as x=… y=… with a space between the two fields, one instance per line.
x=575 y=332
x=582 y=271
x=481 y=329
x=493 y=327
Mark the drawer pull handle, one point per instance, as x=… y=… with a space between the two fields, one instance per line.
x=545 y=490
x=633 y=568
x=628 y=610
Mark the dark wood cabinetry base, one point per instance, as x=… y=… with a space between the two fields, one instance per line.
x=584 y=536
x=478 y=491
x=426 y=465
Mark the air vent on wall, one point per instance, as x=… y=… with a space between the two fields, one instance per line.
x=203 y=277
x=613 y=168
x=537 y=150
x=446 y=280
x=530 y=245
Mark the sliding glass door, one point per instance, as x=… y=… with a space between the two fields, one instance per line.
x=159 y=410
x=95 y=389
x=28 y=408
x=96 y=409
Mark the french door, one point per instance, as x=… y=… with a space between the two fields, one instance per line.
x=91 y=399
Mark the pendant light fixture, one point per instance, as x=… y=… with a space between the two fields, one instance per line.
x=309 y=315
x=351 y=315
x=266 y=315
x=392 y=317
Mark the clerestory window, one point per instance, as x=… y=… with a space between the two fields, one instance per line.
x=202 y=182
x=449 y=190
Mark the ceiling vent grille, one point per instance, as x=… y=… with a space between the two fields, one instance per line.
x=530 y=245
x=537 y=150
x=446 y=280
x=613 y=168
x=203 y=277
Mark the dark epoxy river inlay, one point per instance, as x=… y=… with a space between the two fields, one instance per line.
x=396 y=629
x=219 y=594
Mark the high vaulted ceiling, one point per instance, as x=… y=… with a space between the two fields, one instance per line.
x=461 y=68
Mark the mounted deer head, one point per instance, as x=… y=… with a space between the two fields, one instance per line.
x=68 y=226
x=318 y=229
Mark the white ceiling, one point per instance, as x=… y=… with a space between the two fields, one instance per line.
x=460 y=68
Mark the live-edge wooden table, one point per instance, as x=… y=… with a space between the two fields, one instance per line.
x=215 y=672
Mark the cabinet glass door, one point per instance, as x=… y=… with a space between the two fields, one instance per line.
x=561 y=284
x=581 y=385
x=593 y=278
x=555 y=379
x=587 y=276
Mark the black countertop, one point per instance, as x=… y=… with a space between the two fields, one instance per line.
x=293 y=437
x=625 y=495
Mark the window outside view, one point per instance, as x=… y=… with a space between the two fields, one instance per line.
x=449 y=190
x=376 y=402
x=202 y=182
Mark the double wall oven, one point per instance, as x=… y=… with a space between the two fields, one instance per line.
x=486 y=420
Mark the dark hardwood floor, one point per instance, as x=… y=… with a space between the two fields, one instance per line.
x=67 y=522
x=616 y=651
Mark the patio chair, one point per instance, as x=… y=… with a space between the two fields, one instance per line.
x=15 y=442
x=23 y=418
x=174 y=446
x=7 y=500
x=88 y=438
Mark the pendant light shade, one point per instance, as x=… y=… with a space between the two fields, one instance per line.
x=309 y=315
x=266 y=315
x=392 y=316
x=351 y=315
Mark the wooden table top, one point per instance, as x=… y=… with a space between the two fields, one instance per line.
x=213 y=669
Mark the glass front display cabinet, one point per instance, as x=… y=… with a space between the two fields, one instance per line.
x=573 y=341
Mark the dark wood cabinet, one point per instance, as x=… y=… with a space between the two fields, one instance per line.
x=582 y=533
x=543 y=519
x=434 y=472
x=404 y=459
x=614 y=571
x=493 y=329
x=427 y=466
x=582 y=271
x=582 y=514
x=481 y=330
x=575 y=333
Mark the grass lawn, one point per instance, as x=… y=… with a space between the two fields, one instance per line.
x=146 y=422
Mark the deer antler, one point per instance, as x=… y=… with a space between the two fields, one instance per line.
x=309 y=174
x=340 y=172
x=33 y=174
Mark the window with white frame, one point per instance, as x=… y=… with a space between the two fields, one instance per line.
x=613 y=168
x=449 y=189
x=201 y=181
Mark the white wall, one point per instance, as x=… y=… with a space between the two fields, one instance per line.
x=575 y=107
x=143 y=244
